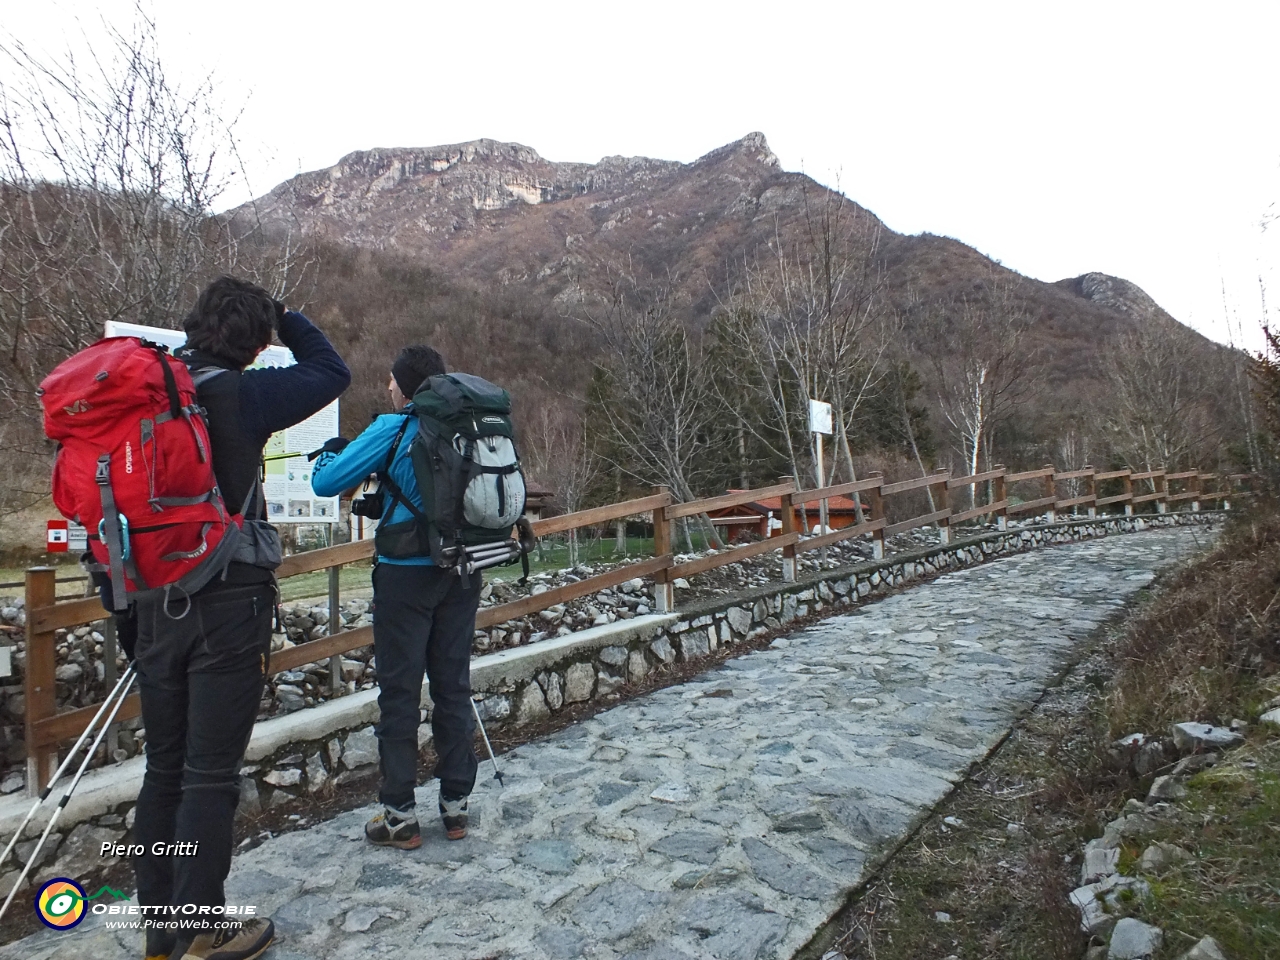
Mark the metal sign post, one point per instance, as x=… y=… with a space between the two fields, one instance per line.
x=820 y=426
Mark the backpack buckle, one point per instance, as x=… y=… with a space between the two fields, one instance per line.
x=103 y=474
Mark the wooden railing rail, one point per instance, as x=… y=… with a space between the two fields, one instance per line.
x=722 y=558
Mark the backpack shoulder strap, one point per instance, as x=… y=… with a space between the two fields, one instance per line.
x=201 y=375
x=393 y=488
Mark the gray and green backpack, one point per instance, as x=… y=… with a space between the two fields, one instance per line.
x=468 y=473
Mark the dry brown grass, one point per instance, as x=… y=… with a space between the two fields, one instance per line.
x=1201 y=650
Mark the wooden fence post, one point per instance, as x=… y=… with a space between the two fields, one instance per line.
x=1051 y=490
x=663 y=593
x=1161 y=484
x=41 y=701
x=335 y=626
x=1000 y=495
x=788 y=517
x=1091 y=489
x=942 y=497
x=1195 y=487
x=877 y=513
x=1127 y=480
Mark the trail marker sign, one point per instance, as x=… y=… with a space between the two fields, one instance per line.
x=57 y=539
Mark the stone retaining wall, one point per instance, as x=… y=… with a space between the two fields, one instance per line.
x=308 y=751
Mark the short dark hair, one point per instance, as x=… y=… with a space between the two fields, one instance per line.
x=232 y=320
x=414 y=366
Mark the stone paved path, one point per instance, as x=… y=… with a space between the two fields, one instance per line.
x=722 y=818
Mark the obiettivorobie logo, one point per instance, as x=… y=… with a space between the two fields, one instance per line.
x=60 y=904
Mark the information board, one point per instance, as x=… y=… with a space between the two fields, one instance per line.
x=288 y=472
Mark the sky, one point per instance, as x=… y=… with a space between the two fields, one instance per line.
x=1136 y=139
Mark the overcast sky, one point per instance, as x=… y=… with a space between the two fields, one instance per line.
x=1136 y=139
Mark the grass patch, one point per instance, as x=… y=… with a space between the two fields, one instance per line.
x=1202 y=650
x=1230 y=889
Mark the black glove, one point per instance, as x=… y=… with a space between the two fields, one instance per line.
x=332 y=445
x=280 y=312
x=127 y=631
x=524 y=531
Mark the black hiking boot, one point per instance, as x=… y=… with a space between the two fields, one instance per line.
x=394 y=828
x=454 y=814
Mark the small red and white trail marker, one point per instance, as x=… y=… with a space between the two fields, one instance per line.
x=58 y=539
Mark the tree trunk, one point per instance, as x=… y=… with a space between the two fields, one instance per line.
x=847 y=452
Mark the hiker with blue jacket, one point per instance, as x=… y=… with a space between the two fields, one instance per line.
x=424 y=618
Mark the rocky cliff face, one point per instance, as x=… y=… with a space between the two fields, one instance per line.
x=1116 y=294
x=487 y=211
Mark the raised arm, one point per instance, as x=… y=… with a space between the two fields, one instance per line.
x=279 y=397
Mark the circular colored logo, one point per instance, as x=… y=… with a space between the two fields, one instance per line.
x=60 y=903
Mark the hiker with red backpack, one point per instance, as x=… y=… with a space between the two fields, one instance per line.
x=160 y=457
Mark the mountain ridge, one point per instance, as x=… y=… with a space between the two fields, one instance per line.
x=440 y=200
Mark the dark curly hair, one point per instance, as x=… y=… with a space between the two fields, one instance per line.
x=233 y=320
x=414 y=366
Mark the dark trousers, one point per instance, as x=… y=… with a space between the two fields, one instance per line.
x=201 y=679
x=423 y=620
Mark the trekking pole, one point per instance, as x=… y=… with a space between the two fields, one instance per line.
x=497 y=774
x=66 y=797
x=44 y=794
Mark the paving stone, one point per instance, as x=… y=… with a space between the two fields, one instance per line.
x=737 y=928
x=617 y=909
x=785 y=874
x=562 y=943
x=306 y=914
x=550 y=856
x=696 y=846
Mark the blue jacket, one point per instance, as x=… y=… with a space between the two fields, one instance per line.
x=366 y=454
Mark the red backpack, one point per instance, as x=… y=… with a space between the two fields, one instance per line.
x=134 y=466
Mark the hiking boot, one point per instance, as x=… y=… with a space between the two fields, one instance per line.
x=159 y=944
x=454 y=814
x=394 y=828
x=244 y=941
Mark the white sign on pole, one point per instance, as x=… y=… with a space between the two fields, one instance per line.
x=288 y=478
x=820 y=417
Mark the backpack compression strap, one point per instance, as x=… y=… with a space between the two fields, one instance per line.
x=111 y=532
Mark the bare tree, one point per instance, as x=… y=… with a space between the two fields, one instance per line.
x=1155 y=413
x=561 y=457
x=982 y=368
x=653 y=393
x=809 y=321
x=109 y=176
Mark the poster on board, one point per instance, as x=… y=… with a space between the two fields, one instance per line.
x=288 y=472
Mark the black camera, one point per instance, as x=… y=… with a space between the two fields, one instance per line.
x=371 y=504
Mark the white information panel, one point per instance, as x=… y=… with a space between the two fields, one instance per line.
x=288 y=472
x=819 y=417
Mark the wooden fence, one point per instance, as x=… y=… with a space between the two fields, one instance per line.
x=46 y=728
